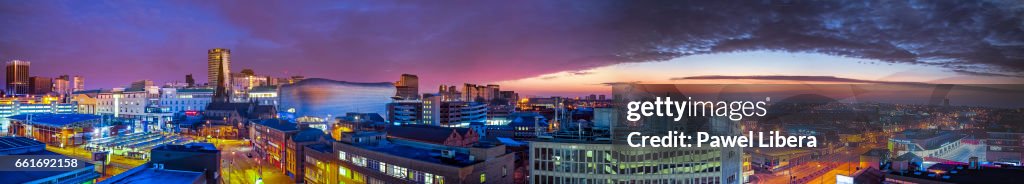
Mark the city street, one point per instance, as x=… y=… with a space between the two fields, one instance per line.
x=238 y=168
x=821 y=170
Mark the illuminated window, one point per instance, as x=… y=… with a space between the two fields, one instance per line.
x=483 y=177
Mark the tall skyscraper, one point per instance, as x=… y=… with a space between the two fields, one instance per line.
x=408 y=87
x=40 y=85
x=218 y=68
x=78 y=82
x=17 y=77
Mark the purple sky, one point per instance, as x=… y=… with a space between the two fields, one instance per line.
x=453 y=42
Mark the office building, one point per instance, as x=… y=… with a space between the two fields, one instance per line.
x=85 y=172
x=295 y=152
x=244 y=82
x=140 y=85
x=62 y=85
x=190 y=81
x=139 y=107
x=196 y=157
x=78 y=82
x=403 y=112
x=321 y=164
x=42 y=104
x=40 y=85
x=524 y=125
x=479 y=93
x=178 y=100
x=408 y=87
x=1007 y=147
x=323 y=98
x=447 y=93
x=571 y=160
x=264 y=95
x=371 y=157
x=438 y=112
x=218 y=67
x=17 y=77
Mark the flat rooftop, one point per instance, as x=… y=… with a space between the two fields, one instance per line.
x=17 y=145
x=194 y=147
x=418 y=153
x=54 y=120
x=29 y=176
x=987 y=174
x=156 y=176
x=279 y=124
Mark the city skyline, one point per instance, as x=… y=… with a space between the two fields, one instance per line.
x=589 y=43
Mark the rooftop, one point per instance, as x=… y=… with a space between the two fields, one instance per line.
x=876 y=152
x=424 y=133
x=56 y=120
x=196 y=147
x=263 y=89
x=194 y=90
x=362 y=117
x=279 y=124
x=321 y=147
x=17 y=145
x=987 y=174
x=307 y=135
x=152 y=175
x=16 y=176
x=418 y=153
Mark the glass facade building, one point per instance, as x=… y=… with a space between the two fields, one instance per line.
x=579 y=162
x=326 y=98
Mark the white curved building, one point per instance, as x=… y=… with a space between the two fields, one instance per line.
x=324 y=98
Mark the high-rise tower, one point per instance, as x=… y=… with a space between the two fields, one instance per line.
x=219 y=62
x=17 y=77
x=78 y=82
x=408 y=87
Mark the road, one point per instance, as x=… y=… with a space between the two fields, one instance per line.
x=241 y=169
x=821 y=170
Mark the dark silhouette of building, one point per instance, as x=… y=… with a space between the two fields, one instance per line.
x=40 y=85
x=248 y=72
x=190 y=81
